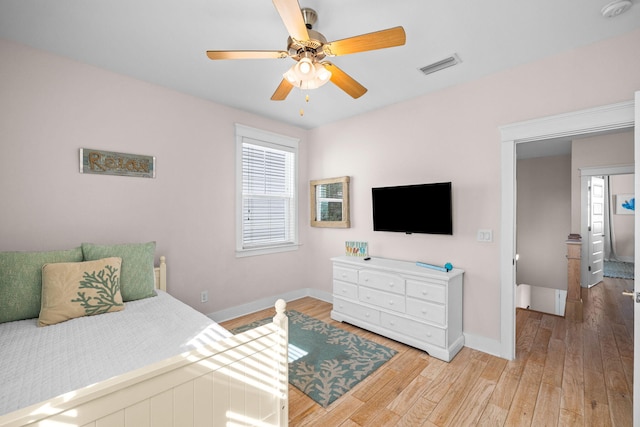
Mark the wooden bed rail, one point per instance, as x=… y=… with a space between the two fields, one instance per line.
x=161 y=274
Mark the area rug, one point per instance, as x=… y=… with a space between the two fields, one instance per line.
x=619 y=269
x=324 y=361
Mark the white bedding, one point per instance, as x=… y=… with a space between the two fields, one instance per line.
x=38 y=363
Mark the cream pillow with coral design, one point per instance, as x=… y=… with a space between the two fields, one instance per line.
x=76 y=289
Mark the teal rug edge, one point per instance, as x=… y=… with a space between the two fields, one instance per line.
x=325 y=362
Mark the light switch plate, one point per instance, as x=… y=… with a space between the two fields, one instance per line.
x=485 y=236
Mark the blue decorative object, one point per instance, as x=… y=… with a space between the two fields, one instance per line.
x=625 y=204
x=630 y=204
x=447 y=267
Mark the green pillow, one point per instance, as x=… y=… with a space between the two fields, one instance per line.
x=21 y=281
x=137 y=278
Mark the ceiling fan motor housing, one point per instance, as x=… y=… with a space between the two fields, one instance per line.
x=313 y=45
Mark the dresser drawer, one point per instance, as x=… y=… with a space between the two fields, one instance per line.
x=345 y=274
x=383 y=281
x=428 y=311
x=344 y=289
x=420 y=331
x=427 y=291
x=356 y=310
x=382 y=299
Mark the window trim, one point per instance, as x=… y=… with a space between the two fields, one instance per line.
x=271 y=140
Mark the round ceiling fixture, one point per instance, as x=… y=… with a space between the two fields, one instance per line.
x=616 y=8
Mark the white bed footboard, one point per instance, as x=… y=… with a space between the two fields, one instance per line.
x=240 y=381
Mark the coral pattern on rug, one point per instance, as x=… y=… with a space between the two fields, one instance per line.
x=324 y=361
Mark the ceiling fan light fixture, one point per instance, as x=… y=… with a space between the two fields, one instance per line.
x=304 y=66
x=306 y=74
x=322 y=73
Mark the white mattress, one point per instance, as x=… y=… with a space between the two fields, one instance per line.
x=38 y=363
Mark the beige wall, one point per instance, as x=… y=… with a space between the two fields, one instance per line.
x=50 y=107
x=597 y=151
x=543 y=220
x=623 y=225
x=453 y=135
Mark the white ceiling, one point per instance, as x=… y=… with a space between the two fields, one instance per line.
x=164 y=42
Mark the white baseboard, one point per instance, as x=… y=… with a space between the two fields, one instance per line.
x=261 y=304
x=483 y=344
x=475 y=342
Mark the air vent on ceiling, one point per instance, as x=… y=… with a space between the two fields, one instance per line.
x=441 y=65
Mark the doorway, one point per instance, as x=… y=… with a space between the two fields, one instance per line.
x=618 y=228
x=559 y=190
x=588 y=122
x=594 y=121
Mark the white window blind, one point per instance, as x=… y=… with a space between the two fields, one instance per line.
x=268 y=215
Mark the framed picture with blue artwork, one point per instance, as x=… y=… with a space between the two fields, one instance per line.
x=625 y=204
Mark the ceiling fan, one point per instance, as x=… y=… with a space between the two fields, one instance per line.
x=309 y=49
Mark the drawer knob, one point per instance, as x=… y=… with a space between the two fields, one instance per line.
x=392 y=323
x=391 y=302
x=429 y=334
x=424 y=311
x=366 y=315
x=391 y=284
x=425 y=293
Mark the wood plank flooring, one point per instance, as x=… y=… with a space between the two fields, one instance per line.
x=565 y=374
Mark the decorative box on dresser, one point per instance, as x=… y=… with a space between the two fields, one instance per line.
x=417 y=306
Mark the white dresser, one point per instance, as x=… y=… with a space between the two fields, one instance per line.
x=414 y=305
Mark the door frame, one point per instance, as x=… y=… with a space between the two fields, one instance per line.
x=589 y=122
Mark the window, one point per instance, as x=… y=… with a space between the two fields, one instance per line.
x=267 y=205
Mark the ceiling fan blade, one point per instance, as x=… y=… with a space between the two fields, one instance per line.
x=378 y=40
x=345 y=81
x=282 y=91
x=247 y=54
x=291 y=15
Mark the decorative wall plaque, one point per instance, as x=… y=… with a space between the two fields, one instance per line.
x=111 y=163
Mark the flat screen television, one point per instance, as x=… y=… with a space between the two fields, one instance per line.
x=423 y=208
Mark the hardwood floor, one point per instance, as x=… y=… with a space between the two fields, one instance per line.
x=565 y=374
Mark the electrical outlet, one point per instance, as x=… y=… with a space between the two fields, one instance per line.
x=204 y=296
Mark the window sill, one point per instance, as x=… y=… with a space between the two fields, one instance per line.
x=241 y=253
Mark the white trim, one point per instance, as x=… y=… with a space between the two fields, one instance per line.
x=593 y=120
x=267 y=250
x=264 y=303
x=607 y=170
x=280 y=142
x=606 y=118
x=636 y=307
x=482 y=344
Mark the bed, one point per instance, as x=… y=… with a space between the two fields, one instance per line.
x=199 y=374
